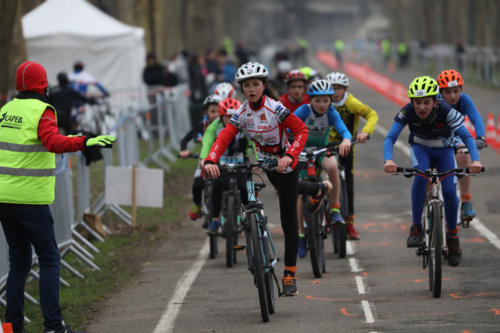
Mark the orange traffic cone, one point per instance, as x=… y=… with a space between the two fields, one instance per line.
x=470 y=127
x=490 y=130
x=497 y=138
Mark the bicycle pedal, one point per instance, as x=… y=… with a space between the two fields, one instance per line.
x=239 y=247
x=421 y=251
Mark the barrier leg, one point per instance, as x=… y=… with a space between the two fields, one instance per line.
x=84 y=241
x=71 y=269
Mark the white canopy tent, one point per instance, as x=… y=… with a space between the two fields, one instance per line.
x=60 y=32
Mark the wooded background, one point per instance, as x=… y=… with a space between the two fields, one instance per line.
x=196 y=25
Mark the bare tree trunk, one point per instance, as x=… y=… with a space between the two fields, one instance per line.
x=8 y=14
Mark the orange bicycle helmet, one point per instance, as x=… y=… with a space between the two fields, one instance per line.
x=450 y=78
x=228 y=106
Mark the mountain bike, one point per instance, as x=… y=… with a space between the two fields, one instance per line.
x=434 y=243
x=315 y=223
x=260 y=249
x=339 y=230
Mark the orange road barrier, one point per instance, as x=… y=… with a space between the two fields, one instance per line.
x=6 y=328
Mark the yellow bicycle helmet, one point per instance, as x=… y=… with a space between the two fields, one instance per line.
x=423 y=86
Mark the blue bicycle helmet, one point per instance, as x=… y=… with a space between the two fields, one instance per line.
x=320 y=88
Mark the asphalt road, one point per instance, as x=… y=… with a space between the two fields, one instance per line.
x=379 y=287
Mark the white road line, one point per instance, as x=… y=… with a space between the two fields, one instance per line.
x=368 y=312
x=360 y=285
x=350 y=248
x=476 y=224
x=353 y=262
x=487 y=233
x=167 y=321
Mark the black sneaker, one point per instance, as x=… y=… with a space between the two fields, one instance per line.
x=316 y=201
x=454 y=251
x=415 y=237
x=65 y=329
x=289 y=286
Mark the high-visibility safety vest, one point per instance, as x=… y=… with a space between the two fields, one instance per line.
x=27 y=169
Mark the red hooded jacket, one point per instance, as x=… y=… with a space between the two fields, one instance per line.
x=31 y=82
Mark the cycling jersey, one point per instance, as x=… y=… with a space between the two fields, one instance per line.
x=466 y=107
x=291 y=104
x=236 y=152
x=319 y=125
x=438 y=130
x=350 y=109
x=80 y=81
x=265 y=125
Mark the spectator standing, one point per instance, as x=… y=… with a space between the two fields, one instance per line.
x=62 y=98
x=241 y=53
x=30 y=139
x=197 y=87
x=153 y=72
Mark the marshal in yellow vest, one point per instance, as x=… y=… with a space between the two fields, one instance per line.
x=27 y=169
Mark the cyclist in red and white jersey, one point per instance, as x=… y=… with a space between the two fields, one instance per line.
x=265 y=121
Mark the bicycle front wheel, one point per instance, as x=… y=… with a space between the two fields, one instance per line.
x=259 y=267
x=313 y=243
x=344 y=197
x=229 y=231
x=435 y=250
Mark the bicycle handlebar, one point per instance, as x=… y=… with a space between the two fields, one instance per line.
x=315 y=152
x=263 y=164
x=410 y=172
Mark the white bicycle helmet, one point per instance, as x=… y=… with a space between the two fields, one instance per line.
x=224 y=90
x=211 y=99
x=251 y=70
x=338 y=78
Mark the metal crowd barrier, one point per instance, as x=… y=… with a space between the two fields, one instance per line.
x=172 y=114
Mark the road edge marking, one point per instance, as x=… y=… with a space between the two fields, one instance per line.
x=166 y=323
x=368 y=312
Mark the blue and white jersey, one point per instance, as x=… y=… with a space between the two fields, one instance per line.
x=437 y=130
x=319 y=125
x=466 y=107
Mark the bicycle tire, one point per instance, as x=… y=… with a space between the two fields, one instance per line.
x=435 y=250
x=313 y=243
x=258 y=268
x=229 y=231
x=344 y=198
x=269 y=280
x=213 y=246
x=339 y=239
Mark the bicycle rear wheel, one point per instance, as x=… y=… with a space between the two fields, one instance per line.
x=259 y=267
x=229 y=231
x=435 y=250
x=339 y=239
x=213 y=246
